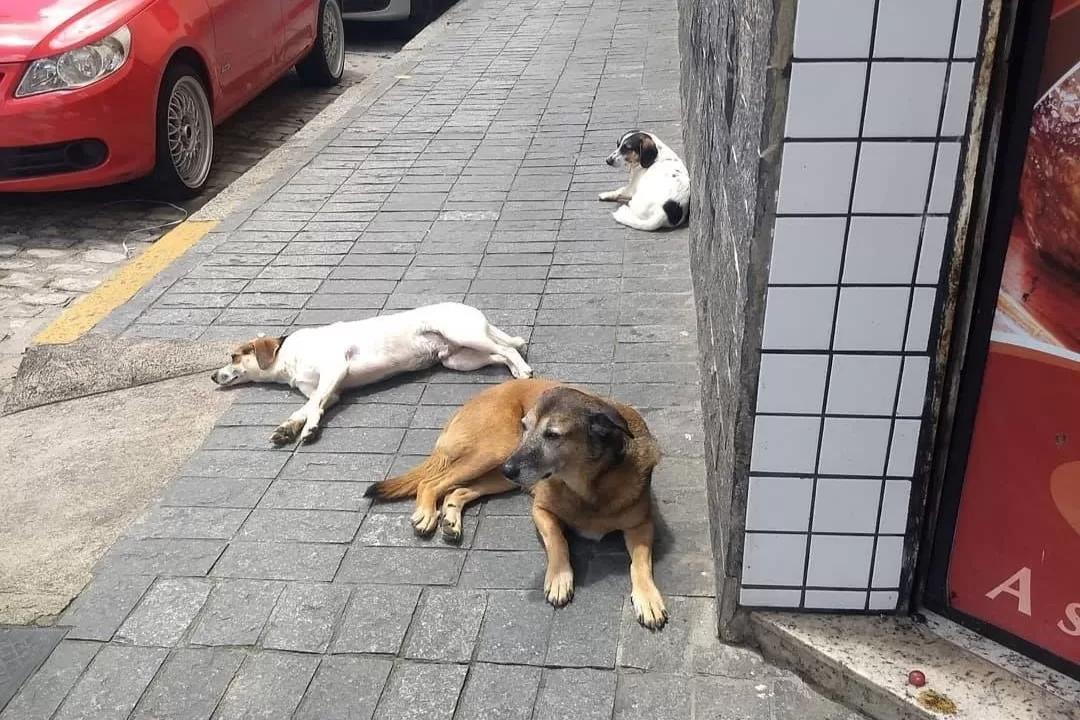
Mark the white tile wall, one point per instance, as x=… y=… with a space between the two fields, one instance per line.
x=792 y=383
x=871 y=318
x=779 y=503
x=784 y=444
x=881 y=250
x=854 y=446
x=839 y=561
x=893 y=177
x=798 y=318
x=933 y=250
x=846 y=505
x=863 y=384
x=958 y=101
x=772 y=559
x=833 y=29
x=914 y=28
x=815 y=178
x=825 y=99
x=807 y=250
x=905 y=99
x=878 y=104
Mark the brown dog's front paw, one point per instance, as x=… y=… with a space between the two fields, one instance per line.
x=424 y=522
x=451 y=528
x=649 y=608
x=559 y=587
x=309 y=436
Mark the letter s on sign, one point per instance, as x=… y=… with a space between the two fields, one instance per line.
x=1072 y=612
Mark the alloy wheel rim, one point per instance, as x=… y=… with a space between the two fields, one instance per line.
x=190 y=128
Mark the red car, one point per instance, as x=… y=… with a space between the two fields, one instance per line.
x=96 y=92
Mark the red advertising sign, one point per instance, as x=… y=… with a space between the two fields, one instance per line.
x=1015 y=560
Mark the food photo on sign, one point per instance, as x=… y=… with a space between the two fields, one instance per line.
x=1017 y=540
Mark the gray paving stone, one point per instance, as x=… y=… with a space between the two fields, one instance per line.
x=502 y=570
x=499 y=692
x=102 y=606
x=305 y=617
x=345 y=688
x=446 y=626
x=581 y=694
x=188 y=522
x=214 y=492
x=688 y=642
x=189 y=685
x=517 y=626
x=420 y=691
x=234 y=464
x=39 y=696
x=337 y=467
x=361 y=439
x=22 y=650
x=401 y=565
x=269 y=685
x=112 y=684
x=162 y=557
x=236 y=612
x=280 y=561
x=302 y=526
x=313 y=495
x=585 y=633
x=655 y=696
x=510 y=503
x=164 y=613
x=507 y=532
x=376 y=619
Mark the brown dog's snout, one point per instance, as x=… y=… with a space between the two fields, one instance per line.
x=511 y=469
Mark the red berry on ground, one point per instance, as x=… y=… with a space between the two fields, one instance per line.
x=916 y=678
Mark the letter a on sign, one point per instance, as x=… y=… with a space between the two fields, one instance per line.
x=1022 y=591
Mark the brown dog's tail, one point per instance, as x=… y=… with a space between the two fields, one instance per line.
x=406 y=485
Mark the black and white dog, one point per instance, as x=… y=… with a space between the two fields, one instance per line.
x=658 y=194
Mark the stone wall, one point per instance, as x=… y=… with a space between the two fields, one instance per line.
x=732 y=134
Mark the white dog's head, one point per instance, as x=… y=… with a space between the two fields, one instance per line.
x=635 y=148
x=251 y=362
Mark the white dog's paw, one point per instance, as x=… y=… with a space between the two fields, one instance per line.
x=286 y=432
x=559 y=586
x=310 y=434
x=610 y=196
x=522 y=373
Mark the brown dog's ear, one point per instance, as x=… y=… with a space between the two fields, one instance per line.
x=607 y=423
x=647 y=151
x=266 y=349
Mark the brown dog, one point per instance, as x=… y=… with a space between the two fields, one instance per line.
x=586 y=461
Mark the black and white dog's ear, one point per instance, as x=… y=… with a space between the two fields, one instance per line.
x=647 y=151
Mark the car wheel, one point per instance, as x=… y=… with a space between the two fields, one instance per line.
x=325 y=63
x=185 y=135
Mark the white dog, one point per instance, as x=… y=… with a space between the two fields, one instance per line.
x=322 y=362
x=658 y=194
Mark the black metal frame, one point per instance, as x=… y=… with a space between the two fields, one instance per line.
x=1024 y=25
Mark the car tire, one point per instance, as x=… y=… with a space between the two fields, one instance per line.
x=184 y=145
x=324 y=64
x=421 y=13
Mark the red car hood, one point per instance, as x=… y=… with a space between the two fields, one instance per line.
x=31 y=29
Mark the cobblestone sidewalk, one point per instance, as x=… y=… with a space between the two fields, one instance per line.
x=264 y=585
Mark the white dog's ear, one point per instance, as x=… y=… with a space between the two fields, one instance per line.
x=647 y=151
x=266 y=350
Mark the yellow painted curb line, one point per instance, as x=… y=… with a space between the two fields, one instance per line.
x=122 y=286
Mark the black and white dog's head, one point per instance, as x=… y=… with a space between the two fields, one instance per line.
x=636 y=147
